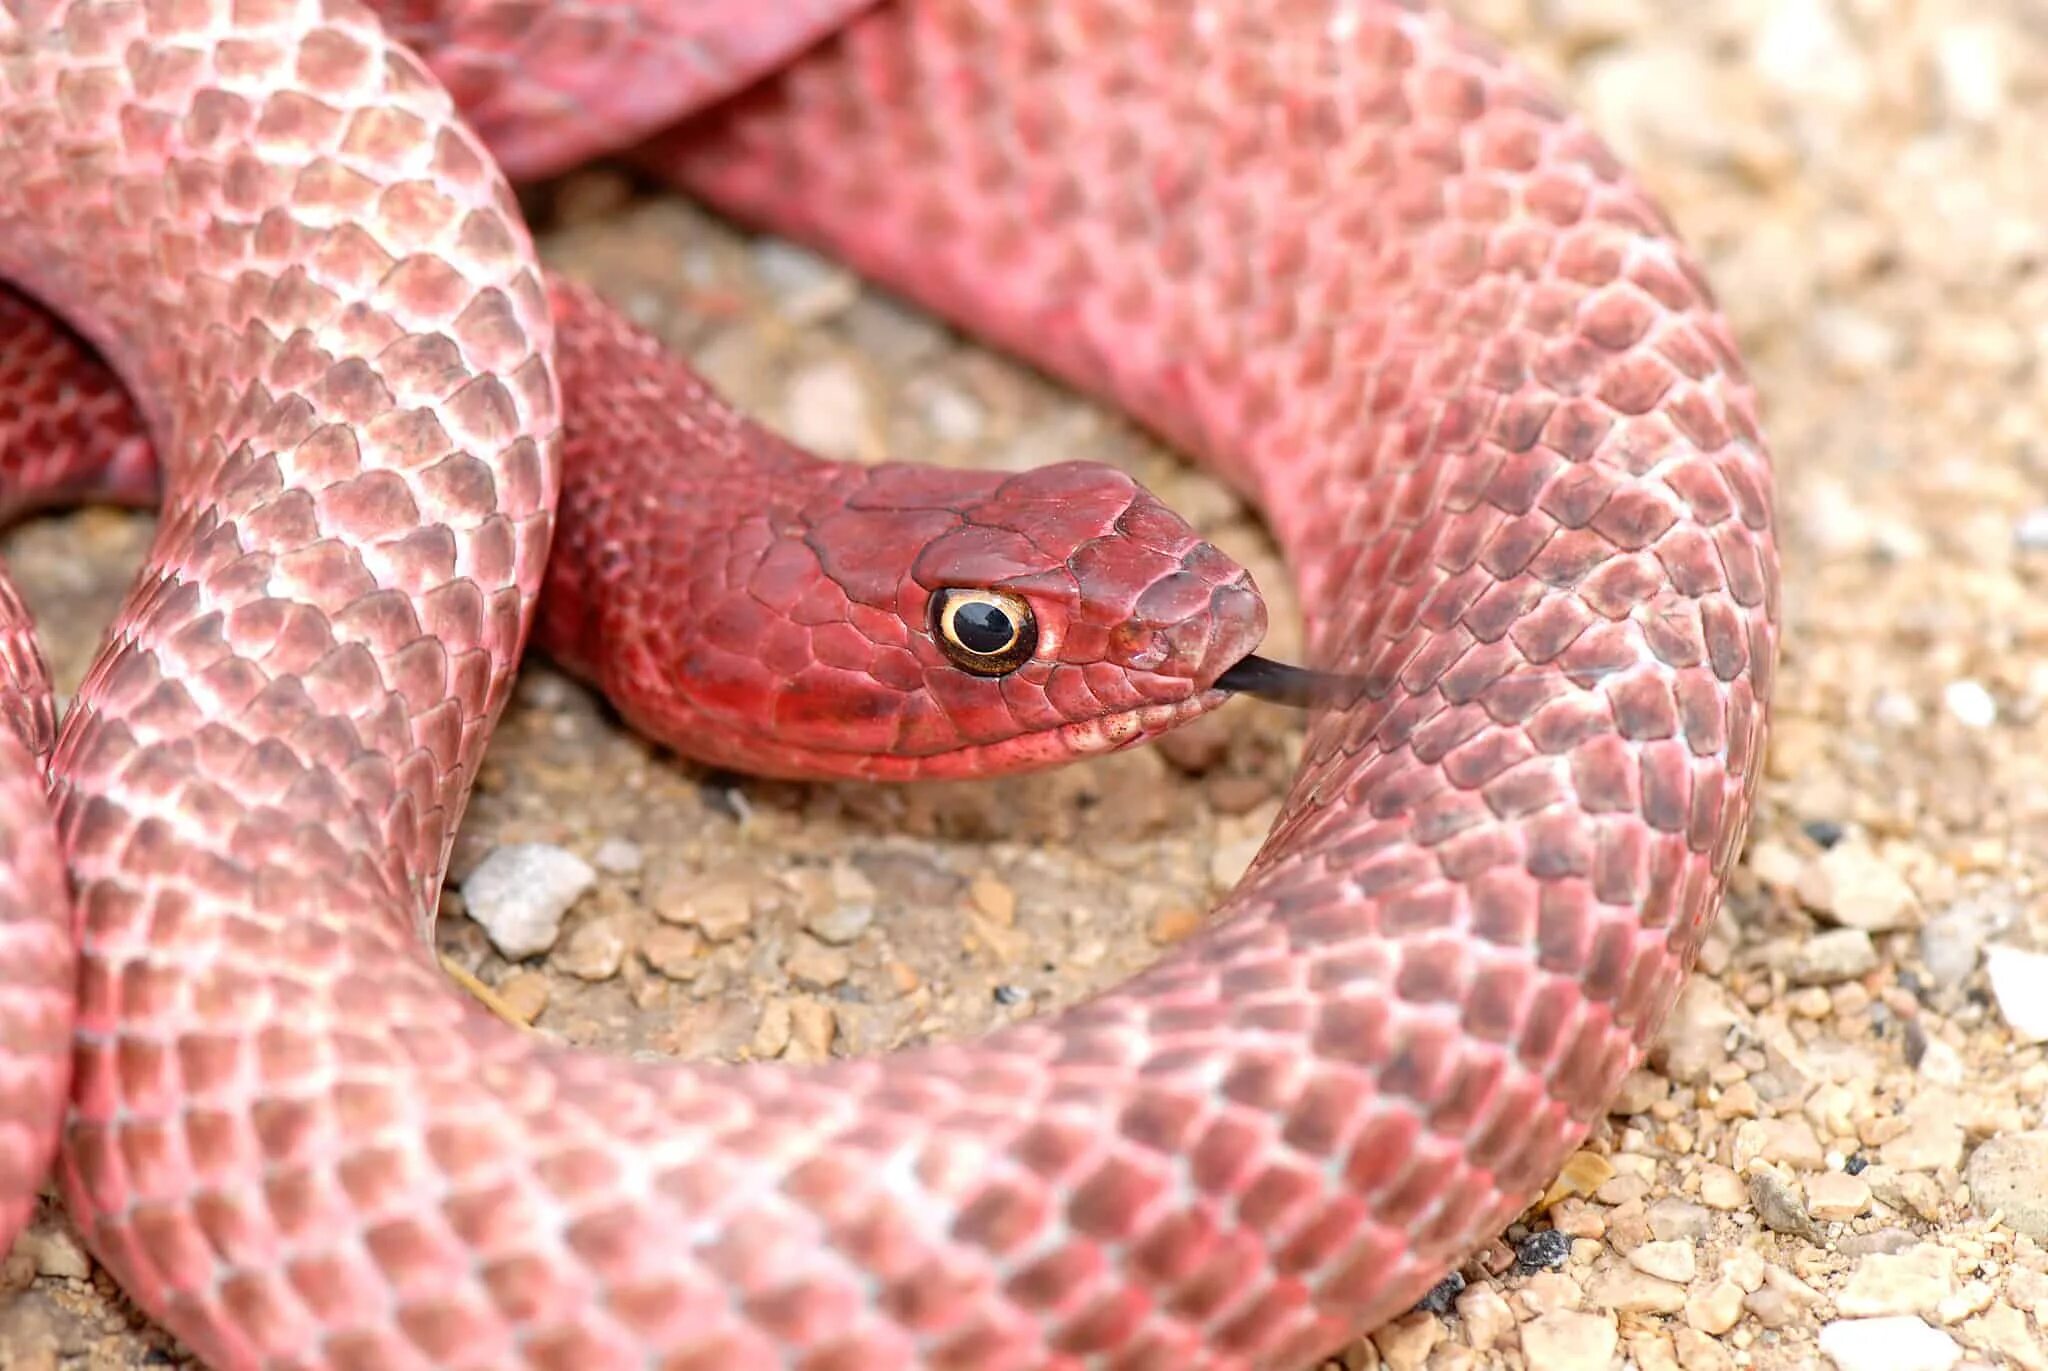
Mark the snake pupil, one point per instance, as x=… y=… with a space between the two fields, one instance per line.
x=984 y=632
x=982 y=627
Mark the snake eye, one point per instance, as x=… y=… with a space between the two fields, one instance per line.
x=987 y=632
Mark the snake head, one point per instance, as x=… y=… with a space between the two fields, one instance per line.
x=905 y=622
x=1064 y=611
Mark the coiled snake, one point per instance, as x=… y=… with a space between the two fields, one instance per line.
x=1339 y=250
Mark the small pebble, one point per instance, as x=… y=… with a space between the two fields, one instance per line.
x=1623 y=1190
x=1171 y=925
x=850 y=885
x=1780 y=1207
x=1673 y=1219
x=2030 y=532
x=1890 y=1241
x=2005 y=1329
x=1785 y=1142
x=1840 y=954
x=1914 y=1281
x=1902 y=1343
x=1577 y=1219
x=1833 y=1197
x=1569 y=1340
x=1824 y=832
x=1405 y=1343
x=1640 y=1091
x=1442 y=1295
x=1486 y=1316
x=677 y=953
x=1746 y=1267
x=618 y=857
x=841 y=924
x=1971 y=704
x=1896 y=709
x=2019 y=983
x=2008 y=1177
x=720 y=909
x=1941 y=1063
x=812 y=1026
x=55 y=1253
x=524 y=994
x=1974 y=63
x=1722 y=1189
x=817 y=966
x=1716 y=1309
x=1910 y=1190
x=1670 y=1261
x=1542 y=1250
x=520 y=893
x=1694 y=1040
x=593 y=952
x=1698 y=1352
x=1008 y=995
x=1853 y=886
x=772 y=1030
x=1633 y=1292
x=994 y=899
x=1770 y=1307
x=1952 y=942
x=1582 y=1173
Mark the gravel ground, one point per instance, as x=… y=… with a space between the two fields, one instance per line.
x=1839 y=1154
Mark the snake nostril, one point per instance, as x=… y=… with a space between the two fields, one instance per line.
x=1148 y=652
x=1191 y=644
x=1209 y=644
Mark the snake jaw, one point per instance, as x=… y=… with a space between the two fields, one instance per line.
x=1120 y=731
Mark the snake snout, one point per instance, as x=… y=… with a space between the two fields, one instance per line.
x=1207 y=645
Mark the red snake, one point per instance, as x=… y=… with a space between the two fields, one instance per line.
x=1338 y=249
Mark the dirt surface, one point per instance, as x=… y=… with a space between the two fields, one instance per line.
x=1839 y=1145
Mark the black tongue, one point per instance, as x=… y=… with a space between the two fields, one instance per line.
x=1285 y=685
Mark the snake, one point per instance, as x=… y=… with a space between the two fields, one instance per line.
x=1347 y=255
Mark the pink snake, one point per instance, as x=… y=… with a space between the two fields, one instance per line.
x=1339 y=249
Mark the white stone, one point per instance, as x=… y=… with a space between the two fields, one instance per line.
x=2019 y=982
x=1971 y=704
x=519 y=894
x=1901 y=1343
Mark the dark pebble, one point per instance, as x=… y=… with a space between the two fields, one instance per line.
x=1826 y=832
x=1011 y=994
x=1915 y=1042
x=1780 y=1206
x=1544 y=1251
x=1441 y=1295
x=718 y=791
x=1857 y=1164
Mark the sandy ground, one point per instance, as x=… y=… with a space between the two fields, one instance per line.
x=1832 y=1149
